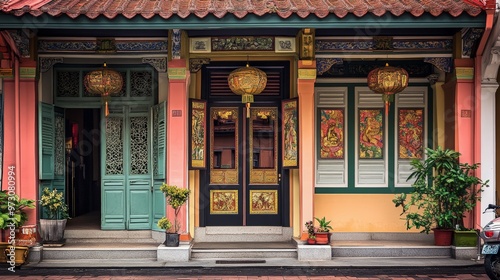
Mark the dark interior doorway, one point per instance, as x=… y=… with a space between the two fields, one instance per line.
x=83 y=193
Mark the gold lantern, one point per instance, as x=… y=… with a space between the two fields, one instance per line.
x=247 y=82
x=388 y=81
x=103 y=82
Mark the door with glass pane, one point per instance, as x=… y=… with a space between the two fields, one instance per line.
x=244 y=177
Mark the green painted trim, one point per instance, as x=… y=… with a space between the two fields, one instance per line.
x=369 y=190
x=406 y=20
x=351 y=133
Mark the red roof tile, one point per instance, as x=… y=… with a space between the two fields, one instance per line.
x=239 y=8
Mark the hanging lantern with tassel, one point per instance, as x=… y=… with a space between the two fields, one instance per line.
x=388 y=81
x=103 y=82
x=247 y=82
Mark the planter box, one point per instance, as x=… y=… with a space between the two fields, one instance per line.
x=465 y=238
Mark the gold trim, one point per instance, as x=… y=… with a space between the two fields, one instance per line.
x=263 y=201
x=231 y=195
x=464 y=73
x=307 y=74
x=176 y=73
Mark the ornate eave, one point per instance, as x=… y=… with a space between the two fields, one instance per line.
x=10 y=21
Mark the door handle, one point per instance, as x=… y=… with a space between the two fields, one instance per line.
x=279 y=177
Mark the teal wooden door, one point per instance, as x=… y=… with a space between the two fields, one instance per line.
x=52 y=157
x=126 y=169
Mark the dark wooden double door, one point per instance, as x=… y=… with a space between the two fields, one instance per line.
x=243 y=184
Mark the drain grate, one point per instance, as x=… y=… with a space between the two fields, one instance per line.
x=239 y=261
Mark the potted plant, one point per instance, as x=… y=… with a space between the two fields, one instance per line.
x=12 y=217
x=176 y=197
x=311 y=235
x=323 y=231
x=443 y=191
x=56 y=211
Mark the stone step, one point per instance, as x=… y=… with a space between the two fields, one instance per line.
x=72 y=251
x=391 y=251
x=243 y=234
x=243 y=254
x=114 y=234
x=112 y=240
x=243 y=250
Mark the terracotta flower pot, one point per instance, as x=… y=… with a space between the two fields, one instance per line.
x=322 y=238
x=311 y=241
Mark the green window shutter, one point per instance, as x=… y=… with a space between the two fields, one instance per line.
x=46 y=141
x=159 y=145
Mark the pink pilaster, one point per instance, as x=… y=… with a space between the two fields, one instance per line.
x=460 y=91
x=177 y=134
x=20 y=134
x=305 y=88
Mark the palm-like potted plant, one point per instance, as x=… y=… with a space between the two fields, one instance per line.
x=56 y=212
x=444 y=190
x=323 y=231
x=176 y=197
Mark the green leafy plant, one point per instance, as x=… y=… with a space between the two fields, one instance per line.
x=164 y=223
x=176 y=197
x=13 y=209
x=443 y=191
x=324 y=225
x=53 y=204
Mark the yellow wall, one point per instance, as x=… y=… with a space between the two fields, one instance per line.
x=360 y=212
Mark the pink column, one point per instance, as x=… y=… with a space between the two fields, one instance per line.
x=177 y=135
x=20 y=134
x=305 y=88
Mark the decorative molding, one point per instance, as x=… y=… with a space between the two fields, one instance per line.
x=464 y=73
x=469 y=40
x=383 y=43
x=100 y=45
x=330 y=44
x=433 y=78
x=195 y=64
x=200 y=45
x=307 y=74
x=105 y=45
x=441 y=63
x=307 y=46
x=47 y=62
x=248 y=43
x=324 y=64
x=177 y=73
x=22 y=42
x=491 y=63
x=159 y=63
x=176 y=44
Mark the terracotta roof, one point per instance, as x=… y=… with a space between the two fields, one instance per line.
x=239 y=8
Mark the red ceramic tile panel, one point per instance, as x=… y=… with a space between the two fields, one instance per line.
x=238 y=8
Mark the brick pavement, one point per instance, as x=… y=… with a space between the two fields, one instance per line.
x=13 y=276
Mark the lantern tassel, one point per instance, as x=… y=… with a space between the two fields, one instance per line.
x=248 y=110
x=106 y=109
x=387 y=104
